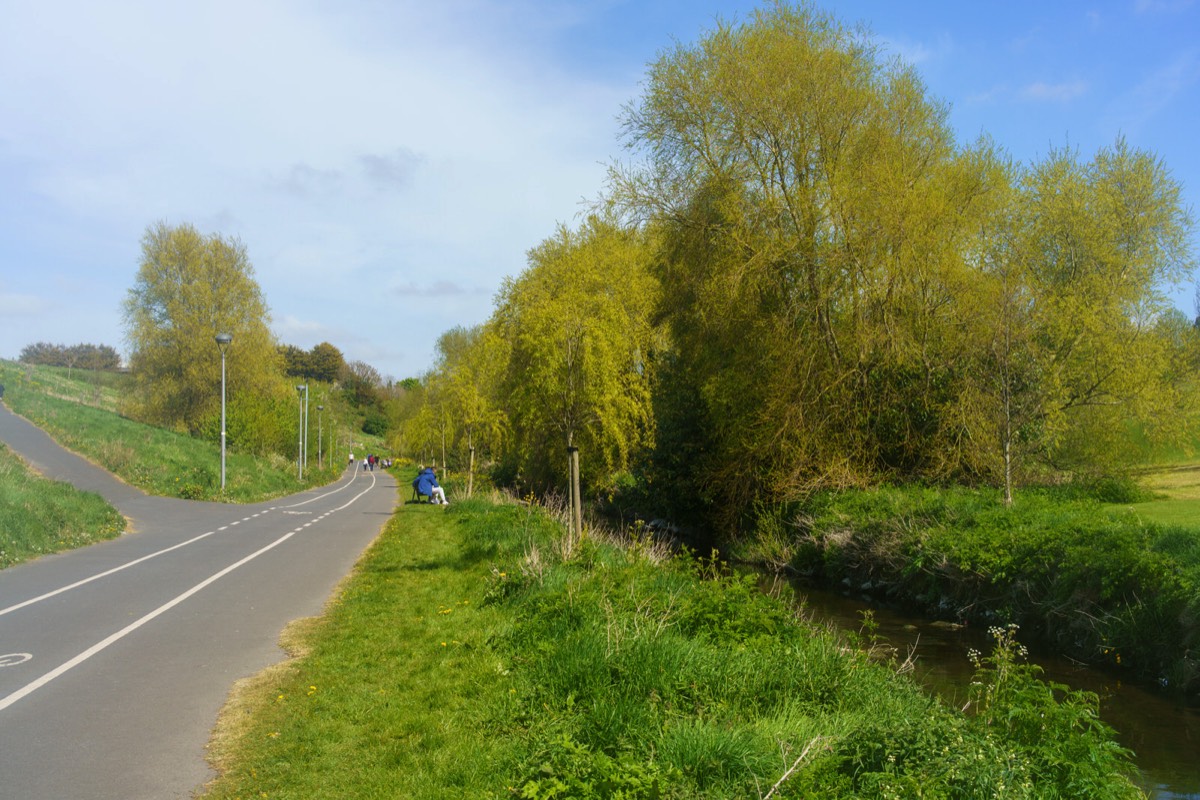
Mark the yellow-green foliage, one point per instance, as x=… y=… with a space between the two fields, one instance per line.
x=190 y=288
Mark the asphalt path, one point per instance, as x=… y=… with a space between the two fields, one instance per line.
x=115 y=659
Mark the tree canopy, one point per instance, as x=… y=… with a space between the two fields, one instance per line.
x=189 y=288
x=802 y=281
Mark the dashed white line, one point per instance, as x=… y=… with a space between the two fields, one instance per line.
x=105 y=574
x=32 y=687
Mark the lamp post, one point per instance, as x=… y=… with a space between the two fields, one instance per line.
x=223 y=340
x=320 y=463
x=302 y=396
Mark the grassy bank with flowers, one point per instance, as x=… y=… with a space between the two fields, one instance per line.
x=478 y=652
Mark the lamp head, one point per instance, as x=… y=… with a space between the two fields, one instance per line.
x=224 y=339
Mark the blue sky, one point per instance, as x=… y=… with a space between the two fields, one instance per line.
x=387 y=163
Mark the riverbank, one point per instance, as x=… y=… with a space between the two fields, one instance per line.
x=1095 y=581
x=478 y=652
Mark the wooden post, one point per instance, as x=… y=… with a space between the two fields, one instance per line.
x=471 y=473
x=576 y=503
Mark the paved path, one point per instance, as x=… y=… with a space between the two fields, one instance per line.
x=116 y=658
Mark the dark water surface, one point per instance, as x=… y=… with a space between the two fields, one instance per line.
x=1164 y=735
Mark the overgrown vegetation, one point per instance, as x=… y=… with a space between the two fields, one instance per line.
x=39 y=516
x=1096 y=581
x=801 y=283
x=478 y=653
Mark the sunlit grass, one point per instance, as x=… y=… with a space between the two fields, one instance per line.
x=398 y=692
x=158 y=461
x=478 y=653
x=39 y=516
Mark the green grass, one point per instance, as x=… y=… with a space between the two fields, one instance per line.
x=1096 y=581
x=478 y=653
x=398 y=693
x=39 y=516
x=159 y=461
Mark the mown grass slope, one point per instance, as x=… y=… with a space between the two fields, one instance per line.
x=39 y=516
x=80 y=413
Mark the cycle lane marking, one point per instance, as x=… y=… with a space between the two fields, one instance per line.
x=147 y=557
x=107 y=642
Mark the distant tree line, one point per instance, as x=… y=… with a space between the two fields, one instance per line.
x=81 y=356
x=323 y=362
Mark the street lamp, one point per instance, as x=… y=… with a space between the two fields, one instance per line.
x=320 y=463
x=223 y=340
x=302 y=396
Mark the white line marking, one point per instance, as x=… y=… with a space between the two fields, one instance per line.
x=12 y=659
x=149 y=556
x=105 y=574
x=327 y=494
x=30 y=688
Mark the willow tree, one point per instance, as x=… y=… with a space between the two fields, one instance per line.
x=813 y=208
x=1104 y=241
x=464 y=386
x=189 y=288
x=577 y=328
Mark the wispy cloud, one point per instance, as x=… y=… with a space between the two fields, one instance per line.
x=303 y=180
x=392 y=171
x=1162 y=6
x=1136 y=107
x=915 y=52
x=1041 y=91
x=433 y=288
x=20 y=305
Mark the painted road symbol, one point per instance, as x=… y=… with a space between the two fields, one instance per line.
x=12 y=659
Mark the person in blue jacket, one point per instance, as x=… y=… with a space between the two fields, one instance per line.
x=426 y=483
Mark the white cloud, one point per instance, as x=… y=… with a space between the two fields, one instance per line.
x=915 y=52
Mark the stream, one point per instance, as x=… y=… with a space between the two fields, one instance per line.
x=1164 y=735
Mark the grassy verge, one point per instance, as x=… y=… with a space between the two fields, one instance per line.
x=39 y=516
x=158 y=461
x=476 y=653
x=397 y=693
x=1099 y=582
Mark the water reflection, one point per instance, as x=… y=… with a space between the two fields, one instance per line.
x=1164 y=735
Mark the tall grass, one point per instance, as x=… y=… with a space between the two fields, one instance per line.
x=474 y=655
x=39 y=516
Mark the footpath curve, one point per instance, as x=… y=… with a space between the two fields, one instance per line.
x=115 y=659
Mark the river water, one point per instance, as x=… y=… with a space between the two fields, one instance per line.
x=1164 y=735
